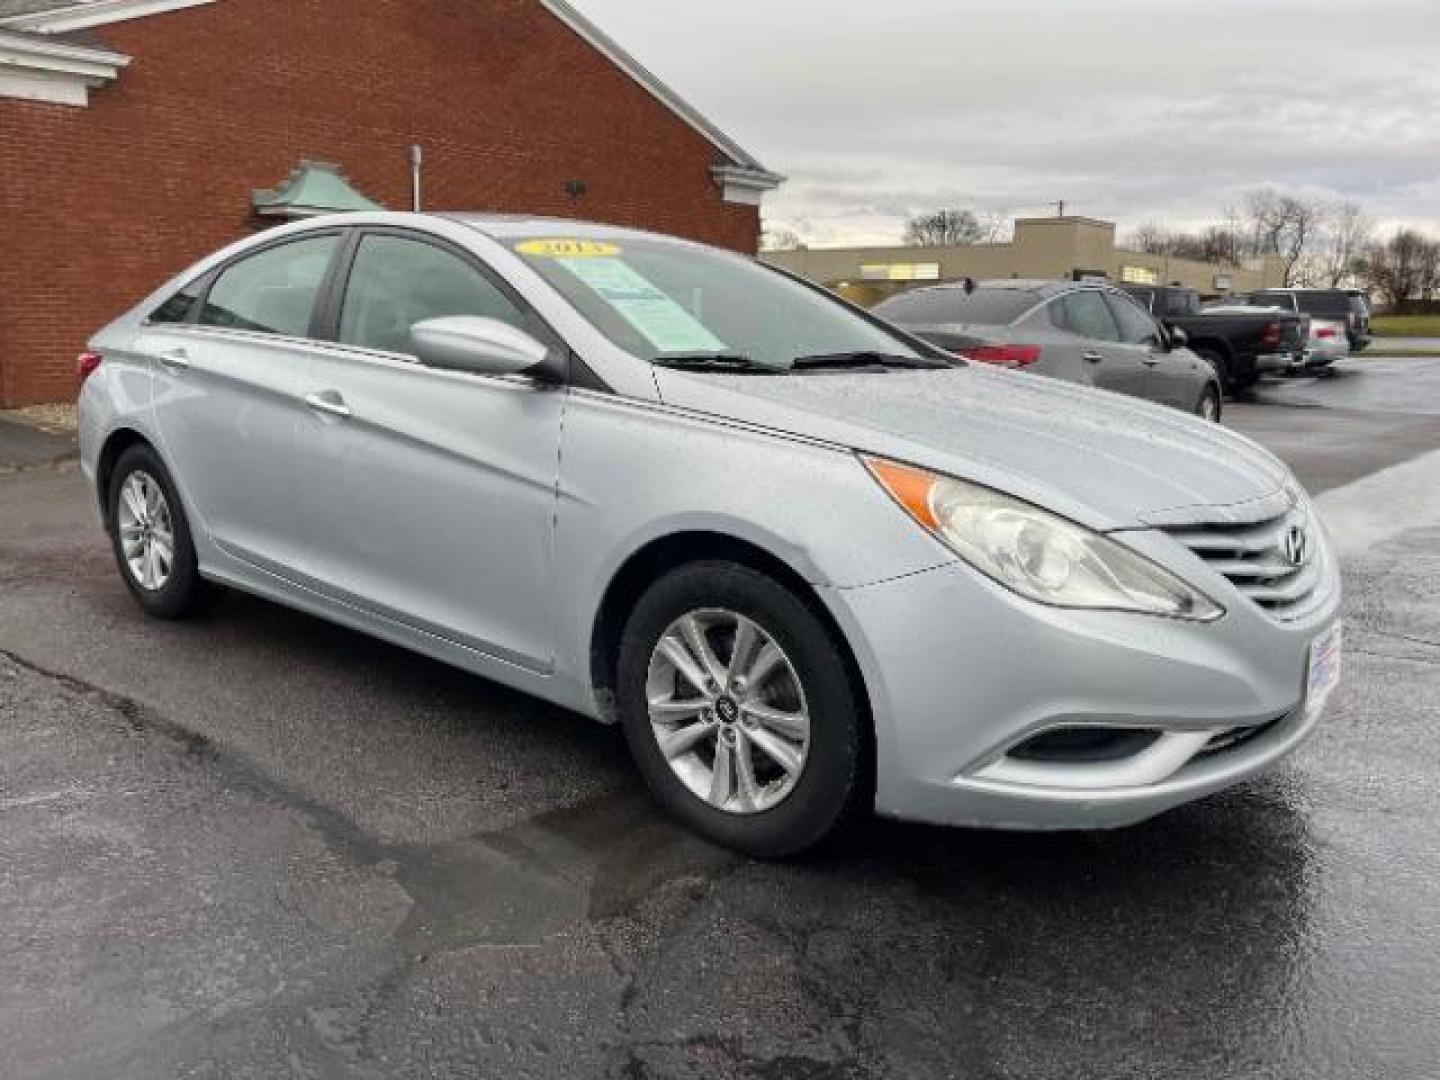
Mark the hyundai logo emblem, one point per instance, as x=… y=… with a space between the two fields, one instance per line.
x=1297 y=545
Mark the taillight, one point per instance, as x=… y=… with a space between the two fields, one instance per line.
x=86 y=364
x=1270 y=336
x=1008 y=355
x=1325 y=332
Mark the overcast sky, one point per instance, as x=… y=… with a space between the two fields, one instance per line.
x=1130 y=110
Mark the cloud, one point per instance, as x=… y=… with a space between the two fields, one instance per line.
x=1127 y=109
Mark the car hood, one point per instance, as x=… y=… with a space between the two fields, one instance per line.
x=1107 y=461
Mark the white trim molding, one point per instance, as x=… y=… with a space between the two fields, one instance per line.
x=82 y=16
x=34 y=69
x=743 y=185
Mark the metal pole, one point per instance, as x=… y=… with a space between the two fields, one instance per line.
x=417 y=161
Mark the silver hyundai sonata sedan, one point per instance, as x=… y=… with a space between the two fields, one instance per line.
x=811 y=565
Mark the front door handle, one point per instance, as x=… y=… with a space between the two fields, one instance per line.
x=1151 y=361
x=174 y=360
x=1093 y=357
x=330 y=403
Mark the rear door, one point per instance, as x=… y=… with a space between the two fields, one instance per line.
x=430 y=495
x=1107 y=362
x=230 y=373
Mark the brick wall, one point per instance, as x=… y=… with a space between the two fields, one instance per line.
x=98 y=205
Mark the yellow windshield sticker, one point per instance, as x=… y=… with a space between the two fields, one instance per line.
x=568 y=249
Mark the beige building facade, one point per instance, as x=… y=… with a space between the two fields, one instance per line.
x=1055 y=248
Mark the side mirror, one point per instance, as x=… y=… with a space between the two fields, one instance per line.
x=1178 y=338
x=481 y=346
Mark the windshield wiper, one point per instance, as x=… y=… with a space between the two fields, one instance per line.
x=717 y=362
x=865 y=359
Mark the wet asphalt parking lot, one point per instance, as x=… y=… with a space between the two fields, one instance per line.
x=256 y=845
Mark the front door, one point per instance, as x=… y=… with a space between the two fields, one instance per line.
x=430 y=495
x=229 y=383
x=1174 y=373
x=1107 y=362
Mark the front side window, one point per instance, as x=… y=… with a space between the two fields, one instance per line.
x=1086 y=313
x=664 y=299
x=1136 y=327
x=273 y=292
x=396 y=283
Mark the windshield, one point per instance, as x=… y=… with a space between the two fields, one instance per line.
x=664 y=300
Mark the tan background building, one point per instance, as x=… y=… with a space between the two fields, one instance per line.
x=1066 y=248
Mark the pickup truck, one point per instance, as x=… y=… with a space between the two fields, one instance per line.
x=1239 y=345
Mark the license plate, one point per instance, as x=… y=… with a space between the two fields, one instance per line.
x=1324 y=673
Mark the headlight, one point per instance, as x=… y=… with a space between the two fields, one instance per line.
x=1037 y=554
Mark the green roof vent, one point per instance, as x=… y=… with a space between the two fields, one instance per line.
x=314 y=188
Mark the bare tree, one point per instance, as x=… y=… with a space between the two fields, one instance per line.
x=944 y=227
x=1347 y=234
x=1152 y=238
x=1405 y=267
x=778 y=238
x=1283 y=225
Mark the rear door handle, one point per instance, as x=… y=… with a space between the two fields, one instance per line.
x=1093 y=357
x=330 y=403
x=174 y=359
x=1151 y=361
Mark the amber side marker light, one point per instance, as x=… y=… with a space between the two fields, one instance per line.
x=909 y=487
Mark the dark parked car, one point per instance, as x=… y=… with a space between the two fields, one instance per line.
x=1083 y=333
x=1240 y=344
x=1344 y=307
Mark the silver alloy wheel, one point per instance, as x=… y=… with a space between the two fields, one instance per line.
x=147 y=534
x=728 y=711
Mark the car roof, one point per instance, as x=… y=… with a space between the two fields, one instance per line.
x=1038 y=286
x=512 y=226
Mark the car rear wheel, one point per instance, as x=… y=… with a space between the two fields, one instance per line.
x=739 y=709
x=151 y=536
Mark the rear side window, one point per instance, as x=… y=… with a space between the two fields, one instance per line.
x=987 y=307
x=1326 y=305
x=272 y=292
x=1181 y=303
x=396 y=283
x=1086 y=313
x=177 y=309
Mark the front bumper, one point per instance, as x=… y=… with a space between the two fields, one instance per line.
x=960 y=671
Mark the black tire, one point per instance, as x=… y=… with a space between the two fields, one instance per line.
x=1209 y=406
x=1219 y=365
x=183 y=591
x=831 y=784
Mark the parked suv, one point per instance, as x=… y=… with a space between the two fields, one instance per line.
x=1240 y=345
x=1345 y=311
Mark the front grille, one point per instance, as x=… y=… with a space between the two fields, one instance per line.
x=1259 y=558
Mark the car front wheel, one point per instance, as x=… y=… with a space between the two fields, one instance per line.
x=739 y=709
x=1209 y=407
